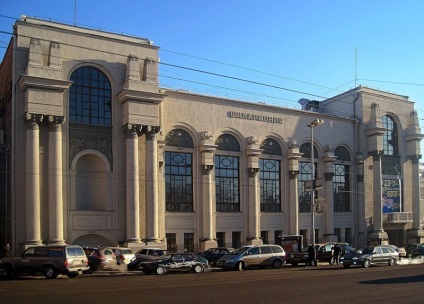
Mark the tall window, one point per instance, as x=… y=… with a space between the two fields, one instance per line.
x=189 y=242
x=341 y=182
x=390 y=160
x=269 y=175
x=227 y=176
x=270 y=185
x=305 y=172
x=171 y=241
x=236 y=242
x=179 y=173
x=90 y=97
x=221 y=239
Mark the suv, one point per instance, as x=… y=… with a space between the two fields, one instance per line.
x=50 y=260
x=253 y=255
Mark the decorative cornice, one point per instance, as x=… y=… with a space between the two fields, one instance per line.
x=47 y=84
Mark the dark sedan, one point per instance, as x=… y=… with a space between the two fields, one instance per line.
x=174 y=262
x=214 y=254
x=370 y=255
x=419 y=251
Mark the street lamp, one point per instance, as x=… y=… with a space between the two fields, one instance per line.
x=317 y=122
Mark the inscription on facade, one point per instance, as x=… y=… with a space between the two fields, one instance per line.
x=263 y=118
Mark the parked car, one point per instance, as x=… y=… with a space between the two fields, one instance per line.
x=99 y=258
x=253 y=255
x=214 y=254
x=419 y=251
x=146 y=255
x=174 y=262
x=324 y=252
x=51 y=261
x=409 y=247
x=123 y=255
x=400 y=250
x=370 y=255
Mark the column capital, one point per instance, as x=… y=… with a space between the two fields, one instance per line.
x=206 y=169
x=415 y=159
x=328 y=176
x=132 y=130
x=151 y=132
x=253 y=171
x=33 y=120
x=376 y=155
x=293 y=174
x=55 y=122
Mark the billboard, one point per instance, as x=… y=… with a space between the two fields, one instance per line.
x=391 y=195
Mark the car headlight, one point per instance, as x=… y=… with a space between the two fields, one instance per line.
x=354 y=258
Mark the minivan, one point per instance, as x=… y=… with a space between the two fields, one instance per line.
x=49 y=260
x=253 y=255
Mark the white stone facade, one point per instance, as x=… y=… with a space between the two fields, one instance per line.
x=71 y=180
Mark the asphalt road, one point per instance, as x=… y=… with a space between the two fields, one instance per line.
x=324 y=284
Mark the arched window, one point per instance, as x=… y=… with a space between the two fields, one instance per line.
x=90 y=97
x=179 y=172
x=227 y=175
x=390 y=138
x=270 y=177
x=341 y=181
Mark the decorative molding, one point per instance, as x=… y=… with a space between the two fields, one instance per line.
x=132 y=130
x=152 y=133
x=376 y=155
x=253 y=171
x=415 y=158
x=206 y=169
x=293 y=174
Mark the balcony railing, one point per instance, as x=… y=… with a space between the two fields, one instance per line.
x=398 y=217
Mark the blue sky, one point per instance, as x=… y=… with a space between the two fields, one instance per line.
x=306 y=49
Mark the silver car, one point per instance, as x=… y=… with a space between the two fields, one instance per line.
x=253 y=255
x=370 y=255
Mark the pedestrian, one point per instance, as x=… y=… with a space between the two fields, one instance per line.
x=337 y=253
x=312 y=256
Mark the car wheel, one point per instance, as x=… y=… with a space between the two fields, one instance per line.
x=72 y=275
x=89 y=270
x=8 y=271
x=160 y=270
x=392 y=262
x=198 y=268
x=346 y=265
x=240 y=266
x=366 y=264
x=50 y=272
x=277 y=264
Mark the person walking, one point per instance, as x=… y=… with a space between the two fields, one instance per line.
x=337 y=253
x=312 y=255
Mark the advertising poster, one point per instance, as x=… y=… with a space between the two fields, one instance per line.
x=391 y=199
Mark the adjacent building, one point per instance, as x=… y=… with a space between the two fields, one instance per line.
x=94 y=151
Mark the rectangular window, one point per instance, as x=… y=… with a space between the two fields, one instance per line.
x=305 y=173
x=338 y=233
x=189 y=242
x=348 y=235
x=277 y=236
x=171 y=240
x=178 y=182
x=303 y=233
x=221 y=239
x=227 y=183
x=264 y=237
x=341 y=188
x=269 y=175
x=236 y=242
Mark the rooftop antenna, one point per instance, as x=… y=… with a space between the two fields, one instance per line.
x=75 y=12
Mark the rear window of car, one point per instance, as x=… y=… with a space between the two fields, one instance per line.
x=125 y=251
x=277 y=249
x=75 y=251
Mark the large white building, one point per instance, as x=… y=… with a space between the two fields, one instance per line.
x=94 y=151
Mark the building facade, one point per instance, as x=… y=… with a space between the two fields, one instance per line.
x=94 y=151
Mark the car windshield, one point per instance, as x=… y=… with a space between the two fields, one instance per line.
x=240 y=250
x=366 y=250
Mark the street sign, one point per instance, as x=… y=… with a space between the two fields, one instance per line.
x=318 y=184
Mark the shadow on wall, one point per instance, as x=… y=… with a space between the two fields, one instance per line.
x=92 y=240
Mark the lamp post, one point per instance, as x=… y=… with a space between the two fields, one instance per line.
x=317 y=122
